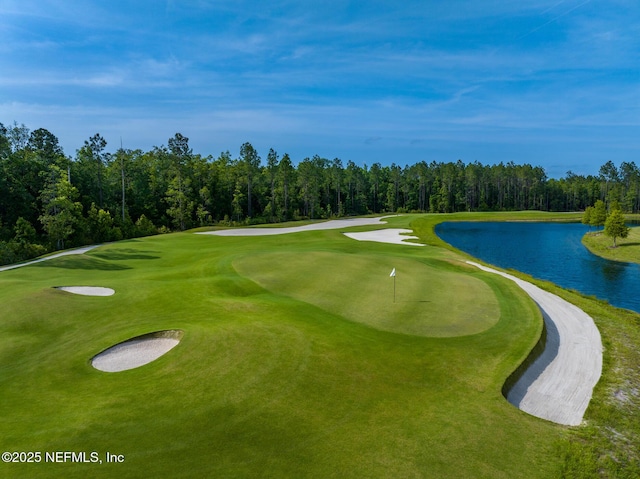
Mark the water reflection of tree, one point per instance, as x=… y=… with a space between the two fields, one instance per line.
x=613 y=271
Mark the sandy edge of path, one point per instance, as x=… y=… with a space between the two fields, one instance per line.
x=558 y=385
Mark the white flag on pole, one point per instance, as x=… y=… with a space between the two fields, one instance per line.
x=393 y=273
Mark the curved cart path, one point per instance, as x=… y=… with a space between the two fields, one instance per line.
x=559 y=384
x=82 y=250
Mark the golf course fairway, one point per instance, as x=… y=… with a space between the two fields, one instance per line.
x=294 y=361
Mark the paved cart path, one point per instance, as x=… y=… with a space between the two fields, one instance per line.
x=82 y=250
x=559 y=384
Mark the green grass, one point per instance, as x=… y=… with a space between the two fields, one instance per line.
x=278 y=374
x=607 y=444
x=431 y=298
x=627 y=250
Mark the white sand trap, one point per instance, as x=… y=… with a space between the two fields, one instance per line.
x=390 y=235
x=88 y=290
x=559 y=384
x=325 y=225
x=136 y=352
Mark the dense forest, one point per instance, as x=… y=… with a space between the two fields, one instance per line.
x=49 y=200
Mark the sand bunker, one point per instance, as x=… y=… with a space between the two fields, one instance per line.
x=325 y=225
x=390 y=235
x=136 y=352
x=87 y=290
x=558 y=385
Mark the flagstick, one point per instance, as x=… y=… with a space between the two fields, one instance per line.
x=393 y=273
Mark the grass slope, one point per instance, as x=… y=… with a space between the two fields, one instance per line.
x=266 y=383
x=627 y=250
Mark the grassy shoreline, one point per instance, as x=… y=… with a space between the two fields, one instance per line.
x=627 y=250
x=608 y=443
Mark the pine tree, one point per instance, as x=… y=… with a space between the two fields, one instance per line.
x=60 y=210
x=586 y=216
x=615 y=226
x=598 y=214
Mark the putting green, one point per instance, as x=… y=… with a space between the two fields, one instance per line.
x=429 y=301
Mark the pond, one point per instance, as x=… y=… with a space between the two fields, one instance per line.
x=549 y=251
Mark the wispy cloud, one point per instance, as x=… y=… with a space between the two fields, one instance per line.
x=428 y=79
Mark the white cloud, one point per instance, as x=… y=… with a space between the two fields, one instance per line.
x=457 y=75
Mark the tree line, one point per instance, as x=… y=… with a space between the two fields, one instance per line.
x=49 y=200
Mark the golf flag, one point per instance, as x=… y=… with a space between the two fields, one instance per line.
x=393 y=273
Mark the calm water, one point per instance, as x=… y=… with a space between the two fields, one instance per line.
x=550 y=251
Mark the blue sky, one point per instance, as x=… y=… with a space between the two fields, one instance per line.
x=553 y=83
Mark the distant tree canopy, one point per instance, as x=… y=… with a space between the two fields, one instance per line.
x=49 y=200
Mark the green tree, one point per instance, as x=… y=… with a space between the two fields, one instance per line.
x=60 y=210
x=615 y=226
x=375 y=180
x=586 y=216
x=145 y=227
x=223 y=172
x=146 y=183
x=24 y=242
x=122 y=157
x=609 y=177
x=20 y=184
x=236 y=203
x=598 y=214
x=251 y=163
x=95 y=147
x=45 y=144
x=180 y=207
x=272 y=172
x=614 y=205
x=630 y=176
x=393 y=189
x=308 y=183
x=24 y=231
x=101 y=226
x=177 y=194
x=18 y=136
x=5 y=147
x=202 y=213
x=286 y=178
